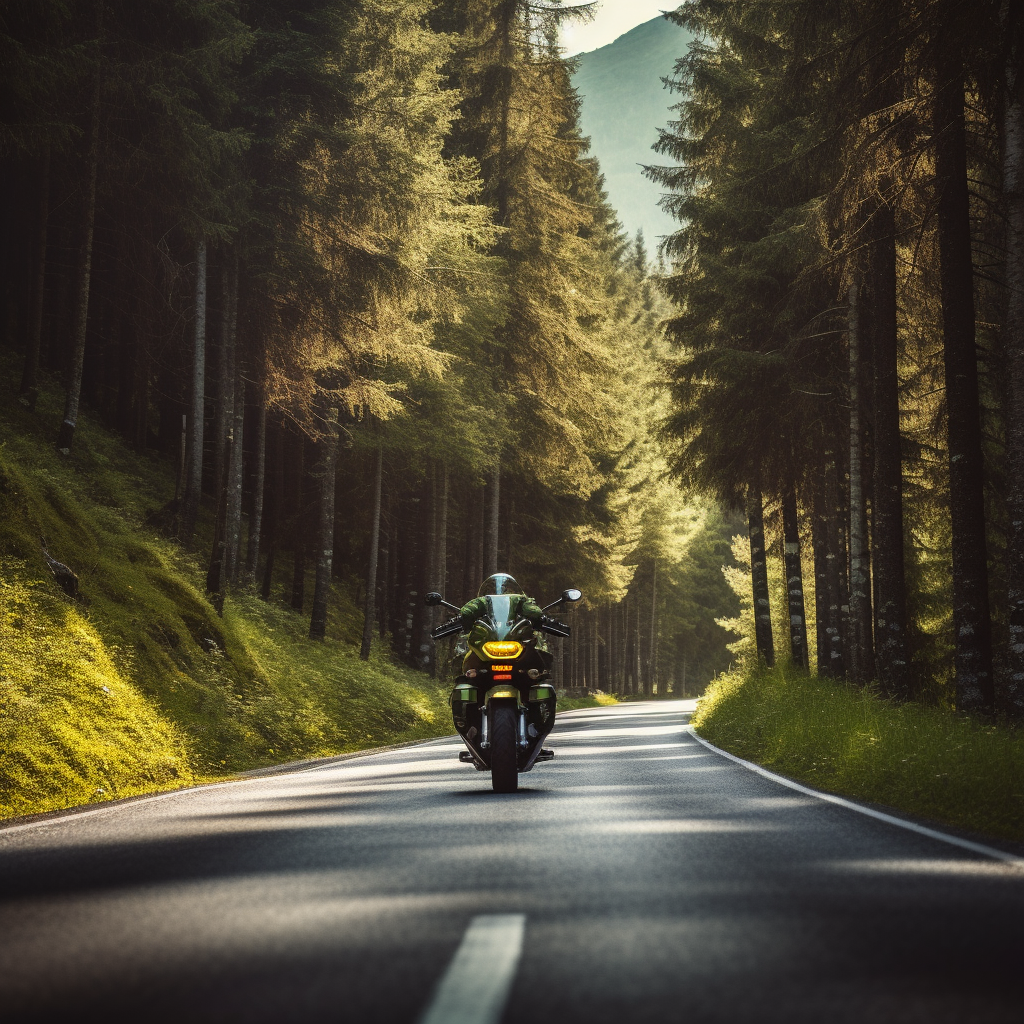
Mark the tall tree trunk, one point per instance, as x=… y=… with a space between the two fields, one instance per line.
x=299 y=526
x=842 y=538
x=252 y=557
x=236 y=455
x=480 y=554
x=583 y=651
x=467 y=587
x=179 y=480
x=759 y=579
x=653 y=658
x=620 y=648
x=409 y=585
x=861 y=654
x=395 y=579
x=491 y=560
x=441 y=572
x=225 y=381
x=838 y=601
x=794 y=581
x=29 y=391
x=426 y=568
x=276 y=509
x=194 y=470
x=822 y=589
x=66 y=437
x=625 y=644
x=972 y=631
x=604 y=649
x=216 y=578
x=574 y=655
x=369 y=611
x=610 y=649
x=387 y=539
x=325 y=550
x=631 y=676
x=887 y=497
x=639 y=681
x=236 y=463
x=1013 y=196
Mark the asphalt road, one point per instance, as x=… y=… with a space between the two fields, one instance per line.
x=638 y=877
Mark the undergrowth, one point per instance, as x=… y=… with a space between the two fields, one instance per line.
x=139 y=685
x=598 y=700
x=922 y=760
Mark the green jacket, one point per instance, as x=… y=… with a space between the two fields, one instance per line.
x=522 y=607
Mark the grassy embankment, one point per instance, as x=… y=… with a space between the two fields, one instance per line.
x=924 y=761
x=116 y=694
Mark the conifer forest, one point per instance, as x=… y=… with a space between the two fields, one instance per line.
x=320 y=319
x=346 y=268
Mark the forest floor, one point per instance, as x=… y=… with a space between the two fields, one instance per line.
x=924 y=761
x=139 y=686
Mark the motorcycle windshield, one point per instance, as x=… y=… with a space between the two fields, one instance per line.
x=499 y=610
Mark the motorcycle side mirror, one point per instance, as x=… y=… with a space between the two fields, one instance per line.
x=434 y=599
x=570 y=596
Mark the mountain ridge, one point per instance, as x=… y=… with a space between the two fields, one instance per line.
x=623 y=104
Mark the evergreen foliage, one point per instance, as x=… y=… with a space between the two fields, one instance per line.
x=836 y=172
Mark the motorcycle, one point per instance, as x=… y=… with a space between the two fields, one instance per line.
x=503 y=658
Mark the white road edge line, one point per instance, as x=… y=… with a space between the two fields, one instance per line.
x=475 y=987
x=965 y=844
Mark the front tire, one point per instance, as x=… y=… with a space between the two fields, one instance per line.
x=504 y=755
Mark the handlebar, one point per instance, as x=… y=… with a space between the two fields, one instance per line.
x=546 y=625
x=449 y=628
x=553 y=627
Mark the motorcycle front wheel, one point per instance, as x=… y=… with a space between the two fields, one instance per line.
x=504 y=757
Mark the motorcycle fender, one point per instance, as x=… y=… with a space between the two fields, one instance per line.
x=502 y=693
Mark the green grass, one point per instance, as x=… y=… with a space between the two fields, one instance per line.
x=115 y=694
x=924 y=761
x=602 y=700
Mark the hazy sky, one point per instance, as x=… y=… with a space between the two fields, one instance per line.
x=613 y=17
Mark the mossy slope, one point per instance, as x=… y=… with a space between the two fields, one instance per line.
x=123 y=691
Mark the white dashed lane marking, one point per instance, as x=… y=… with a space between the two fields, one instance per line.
x=475 y=987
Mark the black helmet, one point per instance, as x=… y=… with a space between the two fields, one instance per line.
x=499 y=583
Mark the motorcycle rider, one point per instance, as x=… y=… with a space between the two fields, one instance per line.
x=501 y=584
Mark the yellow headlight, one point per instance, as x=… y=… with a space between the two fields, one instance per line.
x=503 y=648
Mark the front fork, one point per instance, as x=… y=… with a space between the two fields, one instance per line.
x=485 y=727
